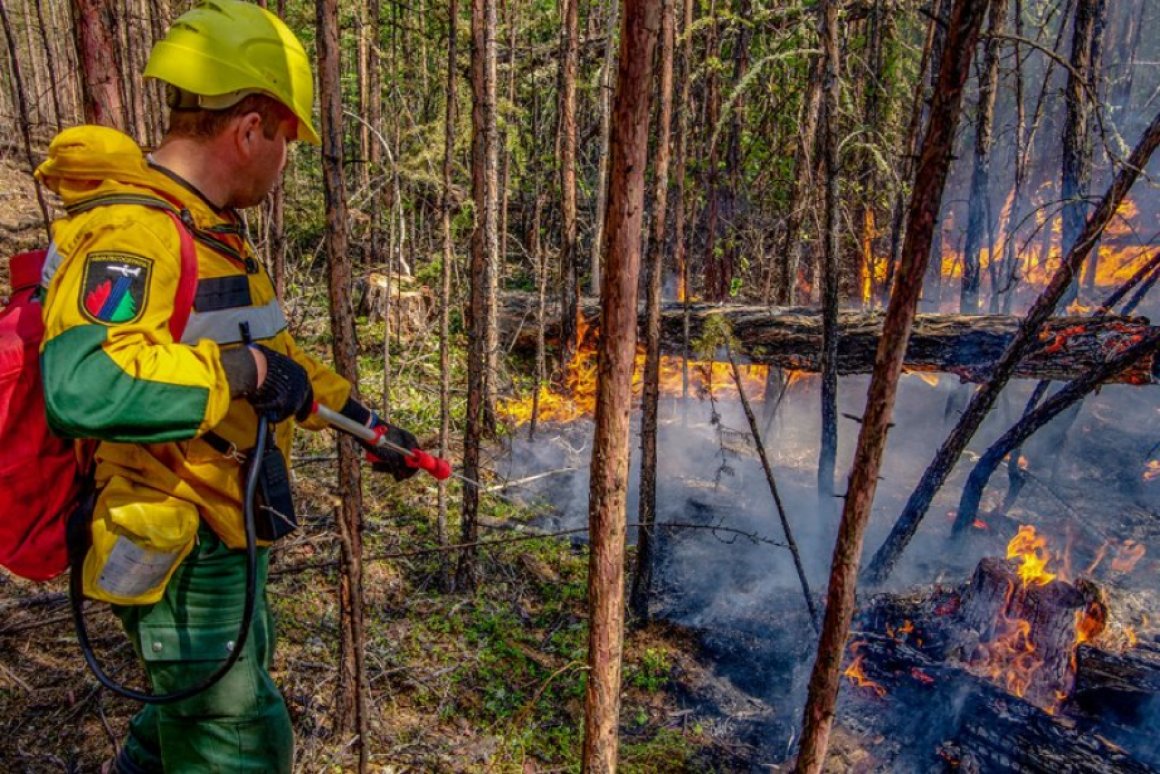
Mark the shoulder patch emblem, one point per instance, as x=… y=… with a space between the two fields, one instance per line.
x=115 y=288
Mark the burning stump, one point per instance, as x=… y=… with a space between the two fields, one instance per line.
x=1025 y=628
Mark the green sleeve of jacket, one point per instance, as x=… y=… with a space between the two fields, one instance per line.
x=110 y=367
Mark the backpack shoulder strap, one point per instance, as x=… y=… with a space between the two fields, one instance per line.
x=187 y=282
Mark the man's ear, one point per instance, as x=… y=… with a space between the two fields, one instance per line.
x=248 y=131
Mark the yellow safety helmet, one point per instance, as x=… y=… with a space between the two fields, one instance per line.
x=222 y=50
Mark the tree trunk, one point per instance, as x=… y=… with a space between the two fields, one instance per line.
x=95 y=27
x=981 y=402
x=717 y=272
x=979 y=207
x=830 y=280
x=962 y=31
x=449 y=121
x=569 y=259
x=642 y=578
x=684 y=109
x=50 y=61
x=617 y=348
x=1077 y=130
x=605 y=100
x=22 y=105
x=351 y=703
x=1070 y=395
x=785 y=284
x=483 y=244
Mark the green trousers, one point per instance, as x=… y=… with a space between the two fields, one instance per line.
x=240 y=724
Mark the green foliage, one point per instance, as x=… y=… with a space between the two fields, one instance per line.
x=651 y=672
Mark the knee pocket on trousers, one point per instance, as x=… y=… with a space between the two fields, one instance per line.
x=178 y=657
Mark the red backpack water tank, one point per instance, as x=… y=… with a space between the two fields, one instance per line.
x=40 y=474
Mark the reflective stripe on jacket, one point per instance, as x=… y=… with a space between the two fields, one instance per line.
x=110 y=366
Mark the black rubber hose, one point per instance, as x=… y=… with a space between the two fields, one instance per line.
x=76 y=596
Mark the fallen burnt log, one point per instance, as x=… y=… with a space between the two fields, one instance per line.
x=971 y=723
x=1123 y=685
x=963 y=345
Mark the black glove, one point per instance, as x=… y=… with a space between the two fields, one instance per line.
x=286 y=390
x=388 y=461
x=382 y=460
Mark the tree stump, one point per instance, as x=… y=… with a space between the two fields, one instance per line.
x=1027 y=633
x=380 y=298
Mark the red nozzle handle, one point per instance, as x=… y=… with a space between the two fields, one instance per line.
x=436 y=466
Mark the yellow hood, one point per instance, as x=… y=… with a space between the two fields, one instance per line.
x=87 y=160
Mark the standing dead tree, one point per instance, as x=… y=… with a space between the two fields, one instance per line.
x=962 y=31
x=829 y=278
x=351 y=705
x=981 y=402
x=617 y=349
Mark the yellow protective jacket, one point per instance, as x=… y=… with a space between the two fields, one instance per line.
x=113 y=372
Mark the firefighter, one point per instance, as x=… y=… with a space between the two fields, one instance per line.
x=173 y=416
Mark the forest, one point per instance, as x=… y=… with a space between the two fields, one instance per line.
x=793 y=360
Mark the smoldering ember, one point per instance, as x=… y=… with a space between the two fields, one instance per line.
x=784 y=376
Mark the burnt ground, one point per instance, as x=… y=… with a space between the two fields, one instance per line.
x=733 y=591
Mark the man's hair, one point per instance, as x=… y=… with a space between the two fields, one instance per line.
x=205 y=124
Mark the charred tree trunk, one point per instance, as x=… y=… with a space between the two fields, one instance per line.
x=684 y=109
x=95 y=26
x=962 y=32
x=933 y=283
x=609 y=475
x=351 y=704
x=569 y=257
x=1060 y=401
x=979 y=208
x=1077 y=130
x=830 y=279
x=981 y=402
x=642 y=578
x=483 y=183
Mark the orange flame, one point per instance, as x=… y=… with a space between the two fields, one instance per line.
x=578 y=397
x=1031 y=551
x=1152 y=470
x=858 y=677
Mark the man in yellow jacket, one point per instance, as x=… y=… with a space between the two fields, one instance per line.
x=173 y=405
